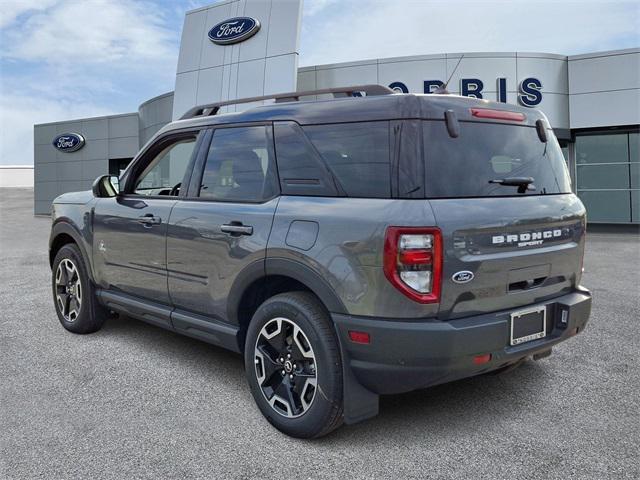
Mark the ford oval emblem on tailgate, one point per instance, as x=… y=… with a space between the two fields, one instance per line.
x=462 y=277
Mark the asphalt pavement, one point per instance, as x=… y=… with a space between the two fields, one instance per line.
x=136 y=401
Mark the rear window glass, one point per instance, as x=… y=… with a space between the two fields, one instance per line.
x=357 y=154
x=464 y=166
x=302 y=171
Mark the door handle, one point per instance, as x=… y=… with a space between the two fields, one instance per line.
x=149 y=219
x=237 y=229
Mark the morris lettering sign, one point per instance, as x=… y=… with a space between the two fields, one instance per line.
x=529 y=90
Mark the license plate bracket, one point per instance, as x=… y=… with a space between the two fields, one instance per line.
x=528 y=325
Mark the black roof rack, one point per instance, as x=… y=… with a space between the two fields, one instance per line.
x=213 y=108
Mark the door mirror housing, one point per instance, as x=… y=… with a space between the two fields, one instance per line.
x=106 y=186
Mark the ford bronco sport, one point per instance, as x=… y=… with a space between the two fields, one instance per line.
x=363 y=244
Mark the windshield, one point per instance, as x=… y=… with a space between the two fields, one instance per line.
x=484 y=153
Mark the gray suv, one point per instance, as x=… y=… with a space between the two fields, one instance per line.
x=353 y=243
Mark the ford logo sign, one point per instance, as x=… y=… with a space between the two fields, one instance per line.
x=462 y=277
x=234 y=30
x=68 y=142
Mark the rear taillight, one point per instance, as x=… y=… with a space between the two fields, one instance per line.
x=413 y=261
x=584 y=234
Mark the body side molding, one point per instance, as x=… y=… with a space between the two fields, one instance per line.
x=197 y=326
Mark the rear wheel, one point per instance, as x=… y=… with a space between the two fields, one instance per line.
x=73 y=293
x=293 y=365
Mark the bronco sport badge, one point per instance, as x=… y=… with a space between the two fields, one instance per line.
x=527 y=239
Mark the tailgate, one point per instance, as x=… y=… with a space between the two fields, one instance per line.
x=519 y=250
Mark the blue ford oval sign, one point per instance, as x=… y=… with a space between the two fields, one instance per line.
x=68 y=142
x=462 y=277
x=234 y=30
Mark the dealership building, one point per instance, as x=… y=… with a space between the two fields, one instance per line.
x=247 y=48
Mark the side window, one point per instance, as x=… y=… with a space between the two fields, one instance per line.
x=239 y=166
x=357 y=154
x=301 y=170
x=164 y=174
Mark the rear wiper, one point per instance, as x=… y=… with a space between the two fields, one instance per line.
x=523 y=183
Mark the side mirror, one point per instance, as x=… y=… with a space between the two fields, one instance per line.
x=106 y=186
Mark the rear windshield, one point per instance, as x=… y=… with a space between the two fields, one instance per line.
x=464 y=166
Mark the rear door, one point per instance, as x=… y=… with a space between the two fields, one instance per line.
x=503 y=247
x=221 y=229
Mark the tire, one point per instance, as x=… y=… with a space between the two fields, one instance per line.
x=311 y=385
x=73 y=293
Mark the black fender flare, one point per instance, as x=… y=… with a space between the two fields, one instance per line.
x=309 y=277
x=288 y=268
x=359 y=403
x=64 y=227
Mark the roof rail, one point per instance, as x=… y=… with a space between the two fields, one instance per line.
x=213 y=108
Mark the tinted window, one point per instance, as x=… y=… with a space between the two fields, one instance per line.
x=607 y=171
x=239 y=165
x=601 y=149
x=463 y=166
x=357 y=154
x=300 y=168
x=166 y=171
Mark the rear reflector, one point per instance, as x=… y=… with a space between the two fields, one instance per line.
x=359 y=337
x=498 y=114
x=482 y=359
x=413 y=257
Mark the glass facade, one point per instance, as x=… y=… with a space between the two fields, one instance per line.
x=608 y=176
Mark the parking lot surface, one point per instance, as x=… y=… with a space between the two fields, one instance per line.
x=136 y=401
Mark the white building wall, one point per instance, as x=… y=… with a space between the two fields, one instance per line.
x=265 y=63
x=605 y=89
x=154 y=114
x=16 y=176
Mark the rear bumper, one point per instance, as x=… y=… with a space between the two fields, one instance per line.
x=408 y=355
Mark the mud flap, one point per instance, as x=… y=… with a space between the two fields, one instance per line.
x=359 y=402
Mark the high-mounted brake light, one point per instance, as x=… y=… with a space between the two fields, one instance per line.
x=413 y=262
x=498 y=114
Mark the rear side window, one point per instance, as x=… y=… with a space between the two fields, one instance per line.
x=239 y=166
x=464 y=166
x=301 y=169
x=357 y=154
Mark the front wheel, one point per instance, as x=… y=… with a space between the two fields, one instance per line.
x=73 y=294
x=293 y=365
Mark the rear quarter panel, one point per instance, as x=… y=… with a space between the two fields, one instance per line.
x=347 y=250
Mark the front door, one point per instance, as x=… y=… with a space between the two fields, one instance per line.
x=221 y=229
x=130 y=230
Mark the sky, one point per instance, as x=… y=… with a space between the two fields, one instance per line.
x=66 y=59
